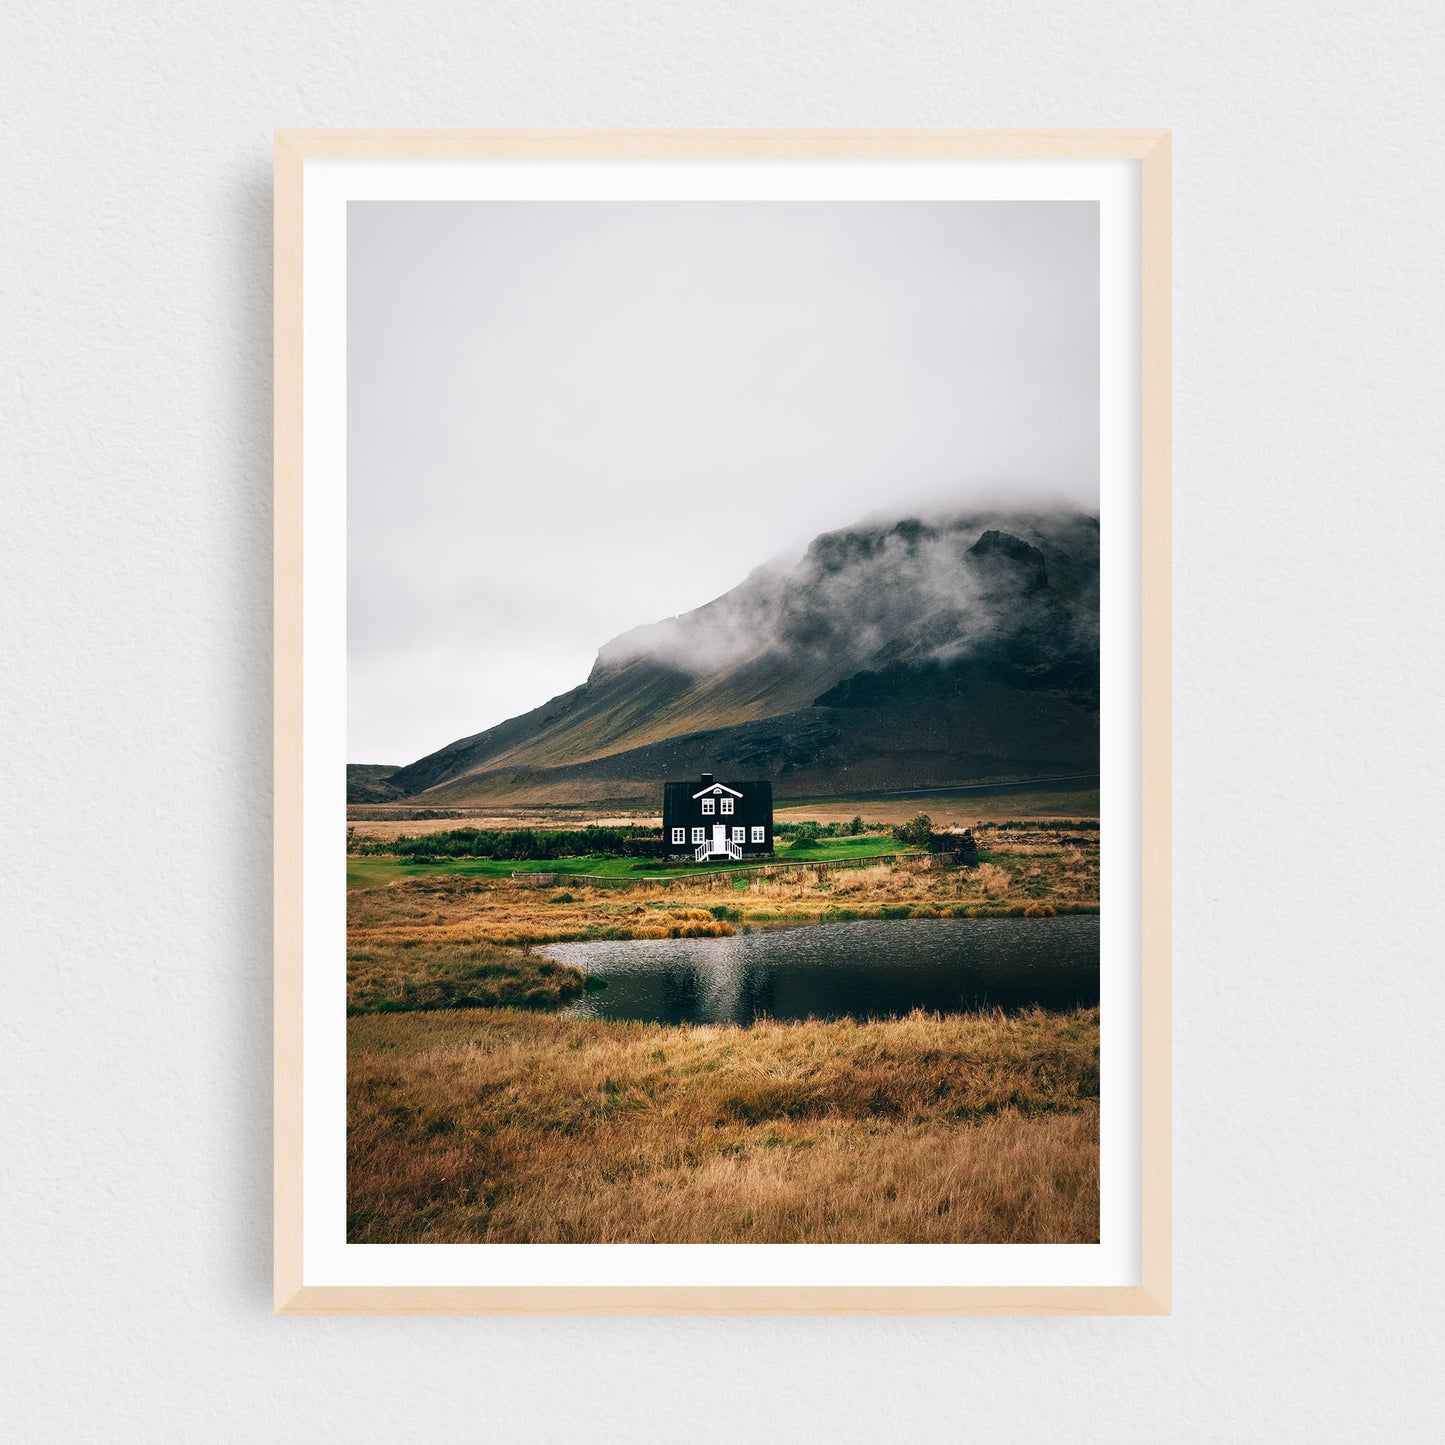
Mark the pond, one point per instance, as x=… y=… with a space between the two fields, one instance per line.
x=878 y=968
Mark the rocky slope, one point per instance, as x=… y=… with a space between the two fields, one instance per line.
x=919 y=653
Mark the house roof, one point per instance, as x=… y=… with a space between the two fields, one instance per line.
x=713 y=789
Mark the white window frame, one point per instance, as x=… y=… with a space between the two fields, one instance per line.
x=740 y=834
x=699 y=835
x=726 y=806
x=760 y=834
x=679 y=835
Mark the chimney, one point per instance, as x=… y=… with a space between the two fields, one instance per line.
x=707 y=780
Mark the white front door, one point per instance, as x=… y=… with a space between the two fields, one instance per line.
x=719 y=838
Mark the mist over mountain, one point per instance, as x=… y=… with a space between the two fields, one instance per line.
x=914 y=653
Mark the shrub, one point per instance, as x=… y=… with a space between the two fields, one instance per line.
x=518 y=844
x=917 y=832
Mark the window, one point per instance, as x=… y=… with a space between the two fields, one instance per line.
x=740 y=835
x=699 y=835
x=679 y=835
x=709 y=805
x=759 y=835
x=727 y=806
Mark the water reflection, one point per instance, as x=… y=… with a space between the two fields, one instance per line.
x=870 y=969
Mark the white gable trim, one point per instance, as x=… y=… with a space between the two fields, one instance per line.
x=713 y=789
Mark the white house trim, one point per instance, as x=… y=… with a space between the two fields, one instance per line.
x=713 y=789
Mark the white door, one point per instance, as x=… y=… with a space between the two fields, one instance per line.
x=719 y=838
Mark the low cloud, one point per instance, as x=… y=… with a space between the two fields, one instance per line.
x=914 y=589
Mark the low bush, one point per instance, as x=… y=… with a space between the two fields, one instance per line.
x=807 y=828
x=518 y=844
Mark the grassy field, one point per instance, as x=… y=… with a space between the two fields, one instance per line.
x=948 y=810
x=377 y=872
x=398 y=975
x=444 y=907
x=396 y=821
x=964 y=809
x=504 y=1126
x=470 y=1121
x=997 y=843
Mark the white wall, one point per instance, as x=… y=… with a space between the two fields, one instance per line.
x=135 y=760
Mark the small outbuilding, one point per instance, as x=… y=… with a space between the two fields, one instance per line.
x=708 y=819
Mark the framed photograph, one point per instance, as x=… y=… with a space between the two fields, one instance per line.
x=722 y=721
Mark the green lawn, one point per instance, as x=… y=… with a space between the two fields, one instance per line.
x=378 y=872
x=869 y=845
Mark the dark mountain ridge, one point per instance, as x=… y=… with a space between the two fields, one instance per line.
x=916 y=653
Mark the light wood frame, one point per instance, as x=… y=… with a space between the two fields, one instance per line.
x=1151 y=148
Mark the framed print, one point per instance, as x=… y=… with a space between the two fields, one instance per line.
x=722 y=721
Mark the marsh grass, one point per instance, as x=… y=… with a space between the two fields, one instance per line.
x=498 y=1126
x=398 y=976
x=1024 y=878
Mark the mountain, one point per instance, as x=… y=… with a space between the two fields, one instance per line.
x=910 y=654
x=371 y=783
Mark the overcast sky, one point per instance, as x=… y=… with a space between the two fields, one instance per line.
x=545 y=397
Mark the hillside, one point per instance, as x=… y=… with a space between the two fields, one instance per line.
x=903 y=655
x=371 y=783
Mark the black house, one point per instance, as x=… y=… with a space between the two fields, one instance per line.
x=709 y=819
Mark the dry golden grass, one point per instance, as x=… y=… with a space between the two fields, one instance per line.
x=393 y=820
x=960 y=810
x=476 y=912
x=472 y=912
x=445 y=941
x=497 y=1126
x=386 y=821
x=388 y=975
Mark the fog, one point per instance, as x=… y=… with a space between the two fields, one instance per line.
x=917 y=591
x=570 y=419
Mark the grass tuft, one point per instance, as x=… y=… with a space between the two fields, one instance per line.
x=404 y=976
x=496 y=1126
